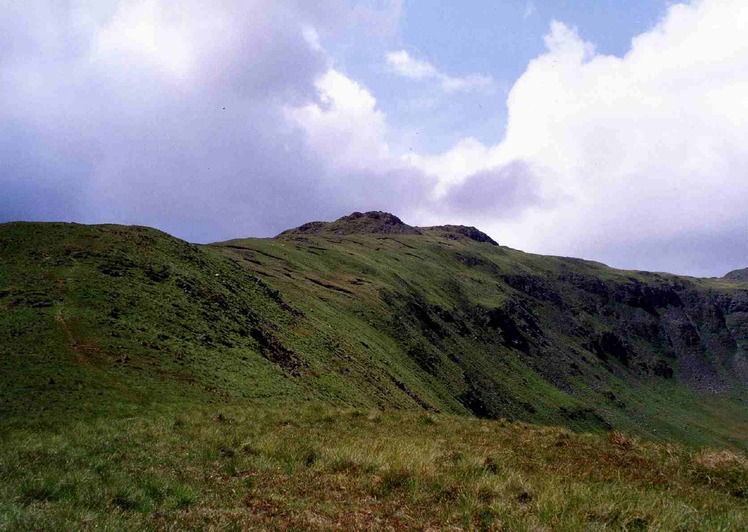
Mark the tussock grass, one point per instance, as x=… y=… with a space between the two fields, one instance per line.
x=323 y=468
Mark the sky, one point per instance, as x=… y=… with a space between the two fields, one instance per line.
x=613 y=131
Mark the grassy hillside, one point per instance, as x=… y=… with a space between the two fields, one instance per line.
x=467 y=325
x=108 y=319
x=361 y=374
x=365 y=312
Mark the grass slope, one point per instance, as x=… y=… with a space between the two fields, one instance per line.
x=470 y=327
x=108 y=319
x=102 y=318
x=332 y=377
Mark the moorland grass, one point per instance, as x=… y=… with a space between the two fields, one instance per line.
x=318 y=467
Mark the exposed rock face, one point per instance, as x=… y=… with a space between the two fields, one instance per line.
x=649 y=327
x=665 y=327
x=386 y=218
x=374 y=222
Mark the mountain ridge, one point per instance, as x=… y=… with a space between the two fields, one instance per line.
x=381 y=222
x=434 y=319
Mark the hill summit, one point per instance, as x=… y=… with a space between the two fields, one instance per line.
x=380 y=222
x=372 y=222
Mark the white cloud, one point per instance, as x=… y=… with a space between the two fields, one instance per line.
x=409 y=67
x=345 y=127
x=347 y=131
x=174 y=114
x=452 y=167
x=648 y=147
x=402 y=63
x=604 y=157
x=237 y=115
x=147 y=29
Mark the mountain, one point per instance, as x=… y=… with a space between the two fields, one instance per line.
x=367 y=311
x=361 y=374
x=737 y=275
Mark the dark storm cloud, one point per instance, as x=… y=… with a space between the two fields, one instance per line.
x=192 y=141
x=22 y=160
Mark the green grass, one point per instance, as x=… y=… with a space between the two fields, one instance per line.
x=380 y=288
x=333 y=381
x=98 y=320
x=317 y=467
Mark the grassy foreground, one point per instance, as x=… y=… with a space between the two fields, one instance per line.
x=318 y=467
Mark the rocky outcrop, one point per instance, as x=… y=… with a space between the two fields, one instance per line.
x=457 y=232
x=372 y=222
x=379 y=222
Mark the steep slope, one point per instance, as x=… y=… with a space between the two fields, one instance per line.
x=737 y=275
x=105 y=317
x=367 y=311
x=498 y=332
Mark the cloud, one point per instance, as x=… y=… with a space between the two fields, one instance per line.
x=409 y=67
x=345 y=126
x=403 y=64
x=504 y=191
x=640 y=150
x=707 y=252
x=377 y=17
x=213 y=123
x=347 y=130
x=174 y=115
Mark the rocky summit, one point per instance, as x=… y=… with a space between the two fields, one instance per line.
x=378 y=222
x=373 y=222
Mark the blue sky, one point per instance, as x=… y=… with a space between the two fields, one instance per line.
x=496 y=38
x=614 y=131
